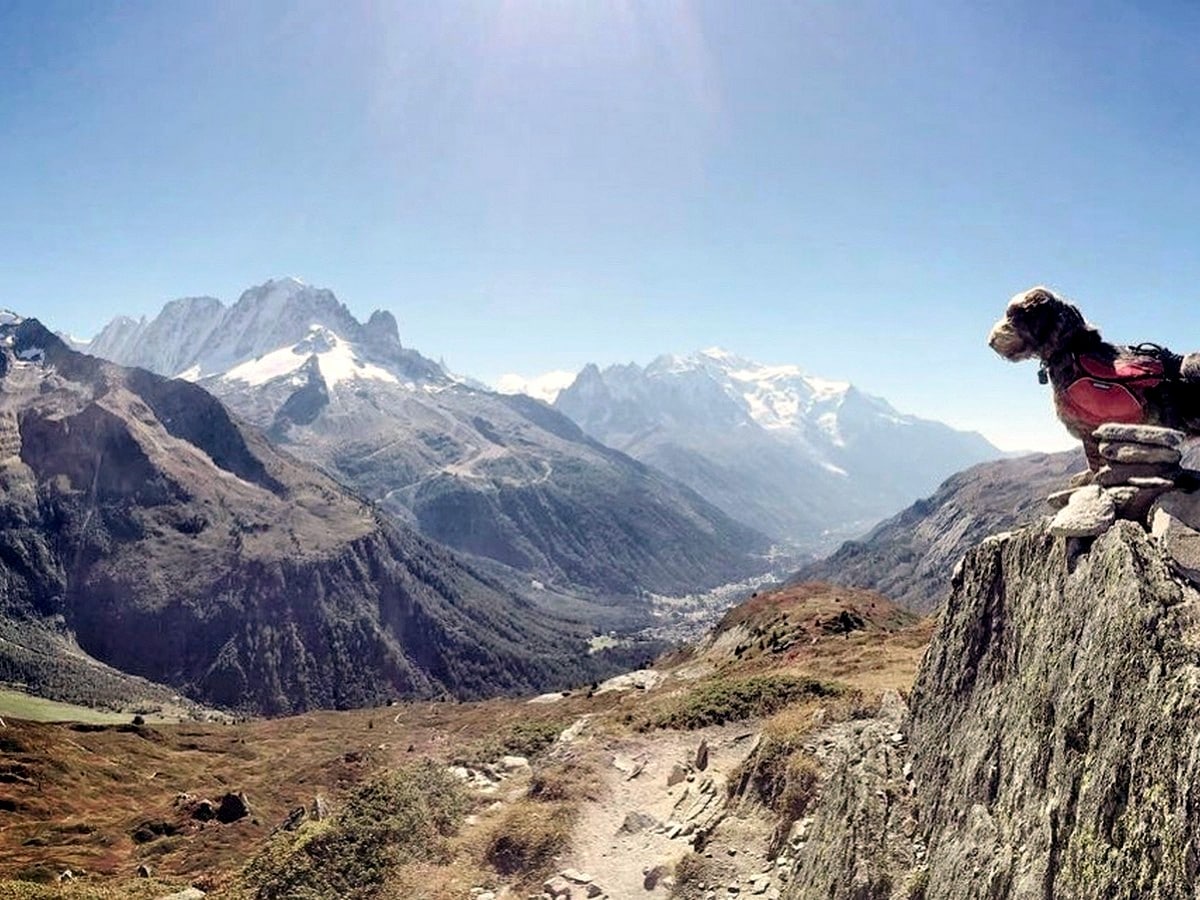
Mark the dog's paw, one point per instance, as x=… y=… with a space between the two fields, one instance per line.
x=1189 y=369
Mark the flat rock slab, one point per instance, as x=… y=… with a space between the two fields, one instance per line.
x=642 y=679
x=1116 y=473
x=1090 y=511
x=1125 y=452
x=1059 y=499
x=1140 y=434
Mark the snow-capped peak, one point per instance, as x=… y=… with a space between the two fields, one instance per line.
x=8 y=317
x=338 y=360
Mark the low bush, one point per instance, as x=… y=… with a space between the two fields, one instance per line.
x=567 y=780
x=722 y=700
x=694 y=877
x=528 y=837
x=522 y=738
x=402 y=816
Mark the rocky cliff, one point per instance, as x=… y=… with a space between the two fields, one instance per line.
x=1049 y=749
x=144 y=525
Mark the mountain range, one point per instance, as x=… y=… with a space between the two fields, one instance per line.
x=910 y=556
x=500 y=477
x=144 y=527
x=808 y=460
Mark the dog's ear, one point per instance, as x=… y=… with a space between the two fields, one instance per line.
x=1048 y=322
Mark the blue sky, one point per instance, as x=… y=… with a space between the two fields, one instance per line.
x=854 y=187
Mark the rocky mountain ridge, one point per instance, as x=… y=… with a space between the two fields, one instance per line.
x=169 y=540
x=909 y=557
x=501 y=477
x=809 y=460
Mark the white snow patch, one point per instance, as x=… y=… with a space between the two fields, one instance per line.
x=32 y=354
x=336 y=357
x=190 y=374
x=8 y=317
x=546 y=386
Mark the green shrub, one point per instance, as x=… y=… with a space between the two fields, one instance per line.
x=522 y=738
x=526 y=841
x=729 y=700
x=400 y=817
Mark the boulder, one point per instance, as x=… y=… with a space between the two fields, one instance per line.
x=653 y=875
x=1140 y=434
x=637 y=821
x=232 y=808
x=203 y=810
x=557 y=887
x=1090 y=512
x=512 y=764
x=1051 y=739
x=678 y=774
x=186 y=894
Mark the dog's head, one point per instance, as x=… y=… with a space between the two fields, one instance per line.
x=1036 y=324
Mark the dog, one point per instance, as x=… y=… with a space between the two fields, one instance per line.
x=1095 y=382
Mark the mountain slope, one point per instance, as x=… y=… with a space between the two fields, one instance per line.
x=909 y=557
x=496 y=476
x=808 y=460
x=168 y=540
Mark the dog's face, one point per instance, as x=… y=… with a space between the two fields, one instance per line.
x=1036 y=324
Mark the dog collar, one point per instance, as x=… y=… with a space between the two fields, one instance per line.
x=1043 y=375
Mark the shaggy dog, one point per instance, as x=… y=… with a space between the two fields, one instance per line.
x=1094 y=381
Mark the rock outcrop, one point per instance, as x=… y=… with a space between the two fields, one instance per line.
x=1050 y=749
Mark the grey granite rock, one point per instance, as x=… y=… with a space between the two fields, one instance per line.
x=1124 y=452
x=1089 y=512
x=1067 y=770
x=1176 y=523
x=1116 y=473
x=1140 y=434
x=1059 y=499
x=1051 y=738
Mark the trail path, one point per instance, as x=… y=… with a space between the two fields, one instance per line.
x=631 y=837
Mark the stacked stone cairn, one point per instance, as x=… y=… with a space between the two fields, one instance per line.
x=1143 y=480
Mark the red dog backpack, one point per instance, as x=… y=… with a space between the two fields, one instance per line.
x=1111 y=391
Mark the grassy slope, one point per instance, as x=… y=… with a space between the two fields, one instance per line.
x=16 y=705
x=71 y=795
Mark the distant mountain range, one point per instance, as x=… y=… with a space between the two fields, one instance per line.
x=808 y=460
x=142 y=524
x=909 y=558
x=501 y=477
